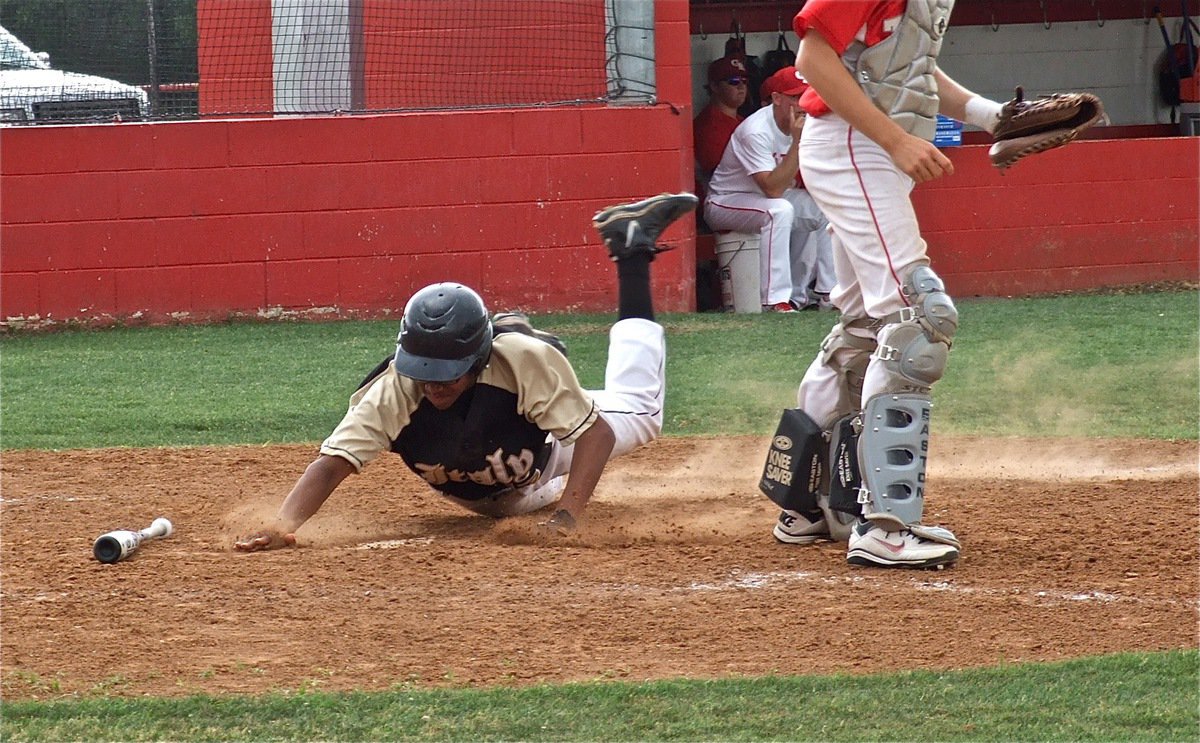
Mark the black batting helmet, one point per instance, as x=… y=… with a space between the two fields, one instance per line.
x=445 y=333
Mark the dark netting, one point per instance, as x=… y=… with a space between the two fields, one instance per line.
x=88 y=60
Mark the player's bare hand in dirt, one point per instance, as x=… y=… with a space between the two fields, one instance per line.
x=265 y=539
x=919 y=159
x=560 y=524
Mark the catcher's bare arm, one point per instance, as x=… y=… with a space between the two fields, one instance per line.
x=823 y=68
x=953 y=97
x=310 y=492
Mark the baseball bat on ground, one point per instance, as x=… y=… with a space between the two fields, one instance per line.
x=121 y=543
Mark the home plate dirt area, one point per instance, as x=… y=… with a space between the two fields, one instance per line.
x=1070 y=548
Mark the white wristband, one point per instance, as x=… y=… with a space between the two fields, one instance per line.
x=983 y=113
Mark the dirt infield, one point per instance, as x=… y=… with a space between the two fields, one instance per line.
x=1070 y=548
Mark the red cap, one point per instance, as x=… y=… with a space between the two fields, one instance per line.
x=765 y=91
x=726 y=68
x=787 y=80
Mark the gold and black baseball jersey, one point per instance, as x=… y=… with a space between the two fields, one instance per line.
x=494 y=438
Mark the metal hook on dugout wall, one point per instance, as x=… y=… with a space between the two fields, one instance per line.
x=703 y=36
x=1045 y=18
x=992 y=13
x=1099 y=17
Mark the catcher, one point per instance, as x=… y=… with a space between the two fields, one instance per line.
x=849 y=463
x=489 y=412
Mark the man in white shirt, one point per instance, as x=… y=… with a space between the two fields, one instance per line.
x=754 y=189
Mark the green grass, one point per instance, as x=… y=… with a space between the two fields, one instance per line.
x=1099 y=366
x=1127 y=697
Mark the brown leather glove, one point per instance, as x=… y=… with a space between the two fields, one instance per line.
x=1029 y=127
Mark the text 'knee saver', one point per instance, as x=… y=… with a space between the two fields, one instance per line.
x=892 y=453
x=795 y=471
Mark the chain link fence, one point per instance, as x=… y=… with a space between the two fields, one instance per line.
x=67 y=61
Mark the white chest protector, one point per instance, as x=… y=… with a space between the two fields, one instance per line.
x=897 y=73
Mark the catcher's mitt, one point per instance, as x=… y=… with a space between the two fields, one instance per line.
x=1029 y=127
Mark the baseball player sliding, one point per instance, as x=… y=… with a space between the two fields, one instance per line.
x=864 y=403
x=489 y=412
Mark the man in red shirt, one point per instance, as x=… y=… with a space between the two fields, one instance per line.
x=876 y=91
x=712 y=127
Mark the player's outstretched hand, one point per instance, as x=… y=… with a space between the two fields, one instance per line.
x=267 y=539
x=920 y=160
x=560 y=524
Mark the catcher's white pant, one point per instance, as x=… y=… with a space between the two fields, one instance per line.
x=794 y=244
x=631 y=403
x=876 y=240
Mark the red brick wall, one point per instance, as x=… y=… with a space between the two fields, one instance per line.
x=523 y=53
x=401 y=65
x=234 y=55
x=217 y=217
x=212 y=218
x=1096 y=213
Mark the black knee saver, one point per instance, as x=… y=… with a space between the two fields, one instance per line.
x=844 y=476
x=795 y=472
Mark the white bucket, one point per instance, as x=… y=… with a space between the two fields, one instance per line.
x=738 y=270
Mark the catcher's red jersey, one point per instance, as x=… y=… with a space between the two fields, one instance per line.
x=841 y=22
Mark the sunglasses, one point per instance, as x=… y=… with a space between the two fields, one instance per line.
x=735 y=81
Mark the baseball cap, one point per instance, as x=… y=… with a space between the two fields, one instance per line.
x=786 y=80
x=726 y=68
x=765 y=91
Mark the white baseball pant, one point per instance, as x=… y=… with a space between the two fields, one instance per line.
x=793 y=248
x=631 y=403
x=876 y=240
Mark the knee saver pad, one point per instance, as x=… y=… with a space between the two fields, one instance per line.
x=840 y=505
x=795 y=473
x=892 y=453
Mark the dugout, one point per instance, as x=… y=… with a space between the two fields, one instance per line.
x=275 y=209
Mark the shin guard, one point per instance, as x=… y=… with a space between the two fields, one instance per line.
x=892 y=453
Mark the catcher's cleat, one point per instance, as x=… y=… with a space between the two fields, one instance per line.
x=517 y=322
x=793 y=528
x=629 y=229
x=872 y=546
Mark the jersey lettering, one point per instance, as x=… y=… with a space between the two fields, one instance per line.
x=478 y=448
x=514 y=470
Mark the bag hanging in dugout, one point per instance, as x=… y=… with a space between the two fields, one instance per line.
x=778 y=58
x=795 y=463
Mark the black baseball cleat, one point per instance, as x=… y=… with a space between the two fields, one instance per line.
x=517 y=322
x=629 y=229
